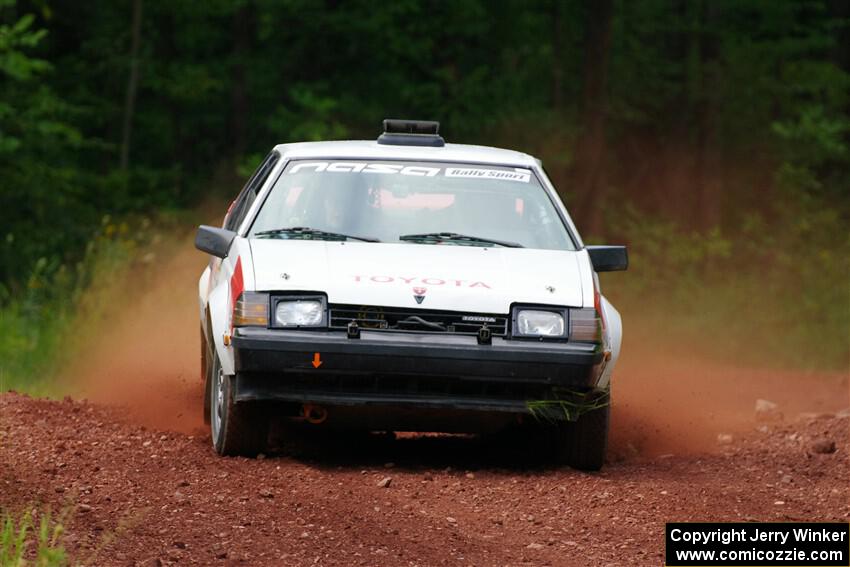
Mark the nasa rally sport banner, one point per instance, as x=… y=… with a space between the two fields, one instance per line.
x=758 y=544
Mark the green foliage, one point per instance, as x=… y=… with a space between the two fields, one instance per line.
x=22 y=543
x=38 y=174
x=13 y=38
x=816 y=155
x=309 y=118
x=773 y=293
x=42 y=321
x=569 y=405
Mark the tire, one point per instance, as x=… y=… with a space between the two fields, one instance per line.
x=238 y=429
x=582 y=444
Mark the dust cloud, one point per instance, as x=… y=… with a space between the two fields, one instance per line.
x=143 y=356
x=668 y=399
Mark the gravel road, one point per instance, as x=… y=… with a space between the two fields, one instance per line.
x=136 y=495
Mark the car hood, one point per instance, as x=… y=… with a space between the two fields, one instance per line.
x=444 y=277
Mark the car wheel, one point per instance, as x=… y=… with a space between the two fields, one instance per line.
x=237 y=428
x=582 y=444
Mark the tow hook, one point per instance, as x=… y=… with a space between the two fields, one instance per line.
x=485 y=336
x=314 y=414
x=352 y=331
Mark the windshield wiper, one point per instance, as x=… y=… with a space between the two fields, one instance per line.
x=312 y=234
x=455 y=237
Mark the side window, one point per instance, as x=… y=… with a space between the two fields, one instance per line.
x=246 y=197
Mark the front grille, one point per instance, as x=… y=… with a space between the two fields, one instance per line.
x=416 y=320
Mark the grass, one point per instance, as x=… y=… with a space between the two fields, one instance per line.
x=23 y=543
x=47 y=321
x=770 y=296
x=570 y=405
x=39 y=324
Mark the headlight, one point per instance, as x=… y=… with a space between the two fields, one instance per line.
x=300 y=313
x=539 y=323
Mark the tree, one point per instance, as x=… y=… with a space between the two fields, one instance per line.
x=590 y=156
x=132 y=84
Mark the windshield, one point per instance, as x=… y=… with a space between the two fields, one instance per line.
x=412 y=202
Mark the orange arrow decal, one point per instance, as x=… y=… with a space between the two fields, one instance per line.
x=317 y=360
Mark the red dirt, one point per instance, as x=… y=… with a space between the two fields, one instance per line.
x=140 y=496
x=669 y=400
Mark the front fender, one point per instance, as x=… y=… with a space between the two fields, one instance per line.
x=614 y=328
x=219 y=303
x=203 y=299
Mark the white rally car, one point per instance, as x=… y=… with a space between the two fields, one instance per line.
x=406 y=284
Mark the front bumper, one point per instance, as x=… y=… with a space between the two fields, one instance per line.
x=410 y=369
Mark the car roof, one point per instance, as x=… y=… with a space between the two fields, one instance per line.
x=370 y=149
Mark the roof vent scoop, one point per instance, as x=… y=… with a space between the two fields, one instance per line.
x=411 y=133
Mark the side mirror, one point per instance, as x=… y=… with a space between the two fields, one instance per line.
x=215 y=241
x=608 y=258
